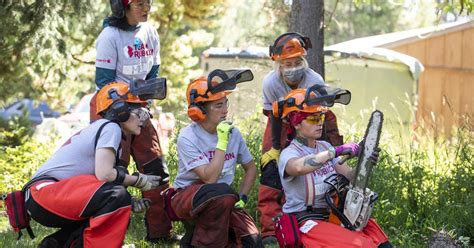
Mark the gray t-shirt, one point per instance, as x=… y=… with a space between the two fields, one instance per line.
x=295 y=186
x=77 y=155
x=130 y=53
x=196 y=147
x=275 y=89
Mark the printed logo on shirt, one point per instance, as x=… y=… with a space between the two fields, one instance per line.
x=69 y=140
x=138 y=50
x=210 y=154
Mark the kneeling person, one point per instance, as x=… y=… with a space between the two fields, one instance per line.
x=209 y=150
x=306 y=155
x=81 y=189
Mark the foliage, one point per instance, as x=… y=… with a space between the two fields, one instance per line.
x=347 y=20
x=21 y=162
x=252 y=23
x=44 y=43
x=14 y=132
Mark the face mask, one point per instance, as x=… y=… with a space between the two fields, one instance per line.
x=294 y=74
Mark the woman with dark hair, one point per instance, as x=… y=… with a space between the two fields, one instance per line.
x=81 y=189
x=304 y=166
x=128 y=48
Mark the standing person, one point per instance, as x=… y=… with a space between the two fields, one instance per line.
x=128 y=48
x=308 y=155
x=209 y=150
x=81 y=189
x=291 y=72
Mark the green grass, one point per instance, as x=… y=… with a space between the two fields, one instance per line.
x=424 y=184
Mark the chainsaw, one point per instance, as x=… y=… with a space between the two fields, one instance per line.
x=357 y=198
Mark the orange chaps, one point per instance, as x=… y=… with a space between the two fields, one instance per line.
x=325 y=234
x=90 y=213
x=210 y=208
x=146 y=152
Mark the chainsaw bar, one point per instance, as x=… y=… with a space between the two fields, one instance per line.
x=370 y=144
x=359 y=199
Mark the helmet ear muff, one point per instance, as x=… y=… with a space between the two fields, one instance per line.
x=196 y=111
x=118 y=10
x=119 y=106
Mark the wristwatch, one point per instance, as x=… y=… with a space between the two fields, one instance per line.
x=244 y=198
x=332 y=151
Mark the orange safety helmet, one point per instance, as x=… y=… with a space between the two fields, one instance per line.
x=196 y=93
x=297 y=100
x=115 y=96
x=217 y=85
x=289 y=45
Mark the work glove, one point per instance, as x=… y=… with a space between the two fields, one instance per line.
x=140 y=205
x=146 y=182
x=242 y=202
x=224 y=129
x=350 y=150
x=270 y=155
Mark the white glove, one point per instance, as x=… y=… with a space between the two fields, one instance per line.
x=146 y=182
x=140 y=205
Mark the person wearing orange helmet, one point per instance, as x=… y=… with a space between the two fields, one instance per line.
x=81 y=188
x=291 y=71
x=306 y=163
x=209 y=150
x=128 y=49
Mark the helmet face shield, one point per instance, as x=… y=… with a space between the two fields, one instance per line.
x=316 y=98
x=149 y=89
x=226 y=80
x=328 y=96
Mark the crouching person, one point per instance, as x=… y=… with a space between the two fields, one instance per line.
x=209 y=150
x=305 y=195
x=80 y=189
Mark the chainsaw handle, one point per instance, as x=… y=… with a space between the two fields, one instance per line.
x=343 y=159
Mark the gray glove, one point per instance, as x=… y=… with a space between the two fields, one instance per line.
x=146 y=182
x=140 y=205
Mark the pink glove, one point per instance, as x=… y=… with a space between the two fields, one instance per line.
x=349 y=149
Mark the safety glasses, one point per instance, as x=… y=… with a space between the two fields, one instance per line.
x=317 y=119
x=141 y=4
x=141 y=113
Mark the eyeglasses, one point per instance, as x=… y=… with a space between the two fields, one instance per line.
x=317 y=119
x=141 y=113
x=141 y=4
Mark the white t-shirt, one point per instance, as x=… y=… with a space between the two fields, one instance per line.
x=131 y=53
x=196 y=147
x=77 y=155
x=275 y=89
x=295 y=186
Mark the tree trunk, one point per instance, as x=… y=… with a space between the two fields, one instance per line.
x=307 y=18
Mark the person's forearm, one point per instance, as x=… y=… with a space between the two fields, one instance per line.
x=310 y=163
x=111 y=177
x=213 y=171
x=249 y=180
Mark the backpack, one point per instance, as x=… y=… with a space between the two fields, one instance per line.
x=15 y=204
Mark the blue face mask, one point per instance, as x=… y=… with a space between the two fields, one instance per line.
x=294 y=74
